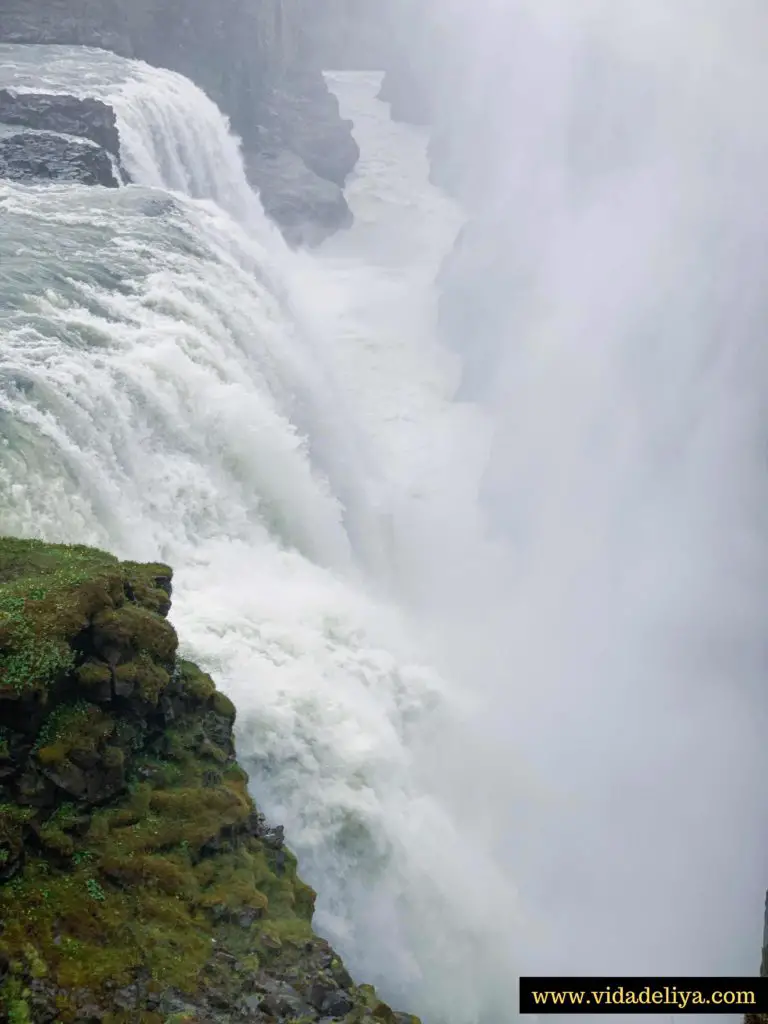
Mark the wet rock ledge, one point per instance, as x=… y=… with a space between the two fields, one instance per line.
x=58 y=138
x=138 y=881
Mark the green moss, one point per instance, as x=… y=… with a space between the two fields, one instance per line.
x=139 y=893
x=132 y=628
x=33 y=559
x=223 y=706
x=56 y=840
x=72 y=727
x=158 y=897
x=94 y=674
x=148 y=678
x=47 y=592
x=196 y=683
x=17 y=1007
x=232 y=885
x=284 y=931
x=234 y=771
x=66 y=816
x=152 y=865
x=148 y=583
x=13 y=816
x=381 y=1012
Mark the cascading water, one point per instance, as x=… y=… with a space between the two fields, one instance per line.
x=171 y=135
x=177 y=384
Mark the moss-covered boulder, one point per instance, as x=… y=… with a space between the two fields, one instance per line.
x=138 y=882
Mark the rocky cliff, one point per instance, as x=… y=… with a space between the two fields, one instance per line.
x=138 y=881
x=58 y=138
x=250 y=56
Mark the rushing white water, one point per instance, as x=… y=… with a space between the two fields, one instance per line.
x=177 y=384
x=171 y=135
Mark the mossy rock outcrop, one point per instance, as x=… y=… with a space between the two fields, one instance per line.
x=138 y=881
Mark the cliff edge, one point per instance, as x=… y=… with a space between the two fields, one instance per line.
x=138 y=881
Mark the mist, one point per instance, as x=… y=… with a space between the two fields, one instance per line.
x=604 y=607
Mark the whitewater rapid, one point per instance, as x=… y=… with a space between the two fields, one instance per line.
x=175 y=383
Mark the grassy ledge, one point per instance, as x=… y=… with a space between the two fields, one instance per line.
x=138 y=881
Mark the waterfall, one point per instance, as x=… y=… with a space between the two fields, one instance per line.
x=177 y=384
x=499 y=664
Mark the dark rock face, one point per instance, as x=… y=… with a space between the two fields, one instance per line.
x=32 y=156
x=301 y=157
x=68 y=115
x=46 y=153
x=137 y=879
x=303 y=116
x=308 y=208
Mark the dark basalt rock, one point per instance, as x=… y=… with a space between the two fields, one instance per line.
x=306 y=207
x=303 y=116
x=40 y=156
x=326 y=996
x=67 y=115
x=67 y=139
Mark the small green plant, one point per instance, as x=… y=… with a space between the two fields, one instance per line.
x=95 y=890
x=15 y=1004
x=18 y=1012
